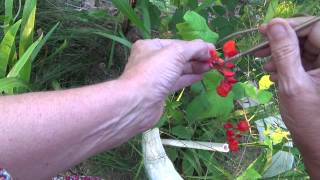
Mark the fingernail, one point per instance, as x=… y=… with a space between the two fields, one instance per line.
x=277 y=32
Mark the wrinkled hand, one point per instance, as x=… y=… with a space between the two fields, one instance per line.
x=160 y=67
x=295 y=66
x=165 y=66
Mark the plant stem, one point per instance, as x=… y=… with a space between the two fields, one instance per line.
x=237 y=34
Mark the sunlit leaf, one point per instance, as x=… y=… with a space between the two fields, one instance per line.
x=8 y=84
x=6 y=47
x=271 y=10
x=26 y=35
x=195 y=27
x=24 y=60
x=264 y=96
x=27 y=26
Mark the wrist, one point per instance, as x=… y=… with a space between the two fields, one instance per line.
x=146 y=109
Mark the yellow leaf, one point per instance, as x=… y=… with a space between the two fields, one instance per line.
x=265 y=82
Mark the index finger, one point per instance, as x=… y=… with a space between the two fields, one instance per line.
x=197 y=50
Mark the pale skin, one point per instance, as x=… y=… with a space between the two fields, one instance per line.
x=47 y=132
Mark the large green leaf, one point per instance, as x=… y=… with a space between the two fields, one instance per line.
x=24 y=60
x=195 y=27
x=26 y=36
x=125 y=8
x=6 y=47
x=27 y=26
x=210 y=104
x=8 y=84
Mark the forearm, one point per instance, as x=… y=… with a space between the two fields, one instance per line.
x=44 y=133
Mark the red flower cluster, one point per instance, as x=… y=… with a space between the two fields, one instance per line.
x=225 y=69
x=230 y=49
x=234 y=133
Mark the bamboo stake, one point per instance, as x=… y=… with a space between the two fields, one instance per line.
x=220 y=147
x=266 y=44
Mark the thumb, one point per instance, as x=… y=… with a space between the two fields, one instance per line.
x=286 y=56
x=285 y=49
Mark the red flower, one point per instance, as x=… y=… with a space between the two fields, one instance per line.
x=238 y=136
x=232 y=80
x=230 y=49
x=234 y=145
x=230 y=133
x=230 y=65
x=230 y=139
x=224 y=88
x=243 y=126
x=213 y=54
x=228 y=125
x=228 y=73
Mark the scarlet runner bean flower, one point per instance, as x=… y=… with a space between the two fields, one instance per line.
x=225 y=69
x=234 y=145
x=228 y=126
x=233 y=133
x=230 y=133
x=230 y=49
x=243 y=126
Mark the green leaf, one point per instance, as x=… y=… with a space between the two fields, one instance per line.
x=212 y=80
x=8 y=13
x=271 y=10
x=43 y=42
x=7 y=84
x=257 y=167
x=26 y=35
x=238 y=91
x=172 y=153
x=182 y=132
x=27 y=25
x=120 y=40
x=213 y=166
x=190 y=163
x=144 y=5
x=6 y=47
x=24 y=60
x=125 y=8
x=250 y=174
x=264 y=96
x=187 y=167
x=195 y=27
x=220 y=10
x=251 y=90
x=204 y=5
x=209 y=104
x=155 y=16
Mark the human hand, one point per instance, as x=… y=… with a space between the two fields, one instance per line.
x=295 y=66
x=165 y=66
x=157 y=68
